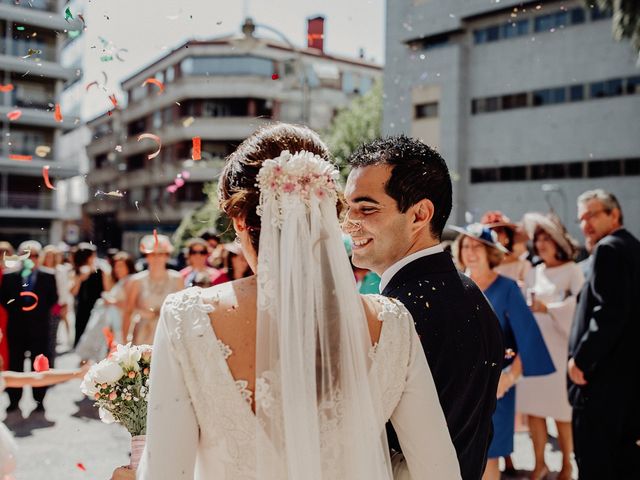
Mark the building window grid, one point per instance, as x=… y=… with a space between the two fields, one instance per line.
x=426 y=110
x=557 y=171
x=557 y=95
x=541 y=23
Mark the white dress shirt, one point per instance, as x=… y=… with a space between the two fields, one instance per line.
x=388 y=274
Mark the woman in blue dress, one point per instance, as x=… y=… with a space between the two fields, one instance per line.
x=526 y=354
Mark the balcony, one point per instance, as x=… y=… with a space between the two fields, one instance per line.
x=38 y=13
x=27 y=205
x=44 y=5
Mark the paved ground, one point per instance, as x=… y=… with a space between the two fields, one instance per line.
x=50 y=448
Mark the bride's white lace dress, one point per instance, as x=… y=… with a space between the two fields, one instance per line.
x=200 y=421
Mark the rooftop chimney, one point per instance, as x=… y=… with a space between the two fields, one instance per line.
x=315 y=33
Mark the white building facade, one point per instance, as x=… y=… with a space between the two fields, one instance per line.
x=529 y=103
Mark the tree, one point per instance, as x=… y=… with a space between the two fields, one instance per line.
x=358 y=123
x=207 y=216
x=626 y=18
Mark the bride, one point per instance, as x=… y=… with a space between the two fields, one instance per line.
x=289 y=374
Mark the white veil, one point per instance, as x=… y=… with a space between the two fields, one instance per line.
x=318 y=408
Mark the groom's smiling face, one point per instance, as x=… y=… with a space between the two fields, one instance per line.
x=381 y=234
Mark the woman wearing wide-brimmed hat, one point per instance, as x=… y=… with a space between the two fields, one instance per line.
x=148 y=289
x=514 y=239
x=478 y=251
x=553 y=286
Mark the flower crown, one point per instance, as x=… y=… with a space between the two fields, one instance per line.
x=303 y=174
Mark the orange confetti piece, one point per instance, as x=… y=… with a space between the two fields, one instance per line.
x=196 y=152
x=114 y=100
x=6 y=88
x=57 y=114
x=156 y=82
x=80 y=466
x=14 y=115
x=156 y=139
x=24 y=158
x=41 y=363
x=275 y=76
x=156 y=241
x=45 y=175
x=32 y=295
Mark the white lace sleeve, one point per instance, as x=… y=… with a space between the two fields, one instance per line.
x=420 y=424
x=172 y=430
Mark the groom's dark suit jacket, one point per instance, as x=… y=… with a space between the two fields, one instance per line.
x=462 y=340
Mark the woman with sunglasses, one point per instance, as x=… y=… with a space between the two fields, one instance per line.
x=147 y=291
x=198 y=273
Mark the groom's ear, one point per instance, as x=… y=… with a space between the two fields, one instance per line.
x=422 y=213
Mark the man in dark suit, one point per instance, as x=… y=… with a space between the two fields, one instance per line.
x=604 y=370
x=28 y=328
x=400 y=196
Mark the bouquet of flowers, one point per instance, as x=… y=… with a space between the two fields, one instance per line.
x=120 y=384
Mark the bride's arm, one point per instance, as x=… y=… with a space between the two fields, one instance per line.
x=172 y=429
x=420 y=424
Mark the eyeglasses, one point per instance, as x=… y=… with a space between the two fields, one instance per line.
x=198 y=252
x=586 y=216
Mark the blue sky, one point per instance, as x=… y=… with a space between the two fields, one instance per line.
x=148 y=29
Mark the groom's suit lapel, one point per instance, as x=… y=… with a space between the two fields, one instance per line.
x=437 y=263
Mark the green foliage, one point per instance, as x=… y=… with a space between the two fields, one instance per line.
x=354 y=125
x=626 y=18
x=207 y=216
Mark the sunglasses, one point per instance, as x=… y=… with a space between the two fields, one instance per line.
x=198 y=252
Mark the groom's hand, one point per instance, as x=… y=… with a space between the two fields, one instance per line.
x=575 y=374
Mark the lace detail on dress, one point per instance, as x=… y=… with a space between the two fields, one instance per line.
x=243 y=388
x=225 y=349
x=225 y=421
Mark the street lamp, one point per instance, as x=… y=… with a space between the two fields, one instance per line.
x=551 y=188
x=249 y=27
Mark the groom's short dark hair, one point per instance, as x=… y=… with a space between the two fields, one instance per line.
x=418 y=172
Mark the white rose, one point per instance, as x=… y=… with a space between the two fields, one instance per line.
x=106 y=416
x=107 y=371
x=128 y=356
x=88 y=385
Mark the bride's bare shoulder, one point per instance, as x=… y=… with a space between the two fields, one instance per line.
x=232 y=298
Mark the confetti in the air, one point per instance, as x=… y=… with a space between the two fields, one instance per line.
x=113 y=193
x=275 y=76
x=156 y=139
x=43 y=150
x=196 y=153
x=41 y=363
x=187 y=122
x=14 y=115
x=6 y=88
x=22 y=158
x=155 y=82
x=57 y=115
x=67 y=14
x=80 y=466
x=114 y=100
x=45 y=176
x=31 y=52
x=32 y=295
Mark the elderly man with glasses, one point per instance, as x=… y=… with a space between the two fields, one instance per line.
x=28 y=294
x=604 y=383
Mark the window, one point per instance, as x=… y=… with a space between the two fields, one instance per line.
x=101 y=160
x=484 y=105
x=575 y=170
x=633 y=85
x=157 y=119
x=576 y=16
x=138 y=93
x=515 y=29
x=576 y=93
x=426 y=110
x=479 y=36
x=365 y=84
x=513 y=173
x=137 y=126
x=493 y=33
x=632 y=166
x=604 y=168
x=544 y=23
x=228 y=65
x=136 y=162
x=170 y=74
x=548 y=96
x=483 y=175
x=608 y=88
x=515 y=100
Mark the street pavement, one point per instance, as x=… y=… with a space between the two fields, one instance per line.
x=71 y=433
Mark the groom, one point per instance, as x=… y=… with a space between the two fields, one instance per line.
x=399 y=199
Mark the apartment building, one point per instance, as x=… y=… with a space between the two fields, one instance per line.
x=219 y=91
x=530 y=103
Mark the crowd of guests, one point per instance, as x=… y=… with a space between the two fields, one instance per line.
x=56 y=298
x=527 y=270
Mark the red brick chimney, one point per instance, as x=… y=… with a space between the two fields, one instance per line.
x=315 y=33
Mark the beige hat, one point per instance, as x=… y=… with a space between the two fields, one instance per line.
x=156 y=244
x=550 y=223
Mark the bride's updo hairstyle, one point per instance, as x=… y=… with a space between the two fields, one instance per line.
x=238 y=192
